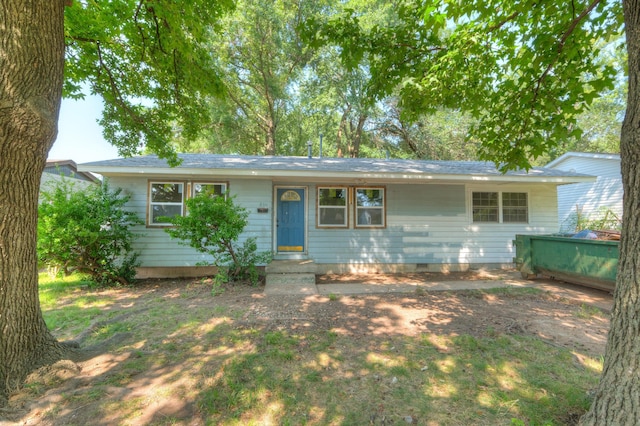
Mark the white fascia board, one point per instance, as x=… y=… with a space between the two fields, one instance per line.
x=564 y=157
x=318 y=174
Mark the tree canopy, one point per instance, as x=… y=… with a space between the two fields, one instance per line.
x=372 y=89
x=151 y=64
x=524 y=70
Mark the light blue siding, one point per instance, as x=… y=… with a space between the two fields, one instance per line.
x=425 y=224
x=158 y=249
x=430 y=224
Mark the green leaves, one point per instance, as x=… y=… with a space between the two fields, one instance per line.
x=87 y=230
x=523 y=69
x=150 y=63
x=213 y=226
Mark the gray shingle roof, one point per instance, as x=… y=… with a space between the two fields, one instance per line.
x=152 y=163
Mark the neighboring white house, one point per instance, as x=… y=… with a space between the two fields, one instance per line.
x=56 y=170
x=348 y=214
x=591 y=199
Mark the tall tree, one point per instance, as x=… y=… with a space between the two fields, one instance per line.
x=31 y=73
x=340 y=95
x=616 y=400
x=441 y=135
x=337 y=97
x=147 y=61
x=525 y=70
x=262 y=56
x=282 y=93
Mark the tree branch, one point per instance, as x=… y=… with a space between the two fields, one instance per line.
x=114 y=88
x=565 y=36
x=140 y=29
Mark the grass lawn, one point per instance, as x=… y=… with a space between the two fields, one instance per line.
x=171 y=353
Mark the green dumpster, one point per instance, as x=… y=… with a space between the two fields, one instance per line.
x=591 y=263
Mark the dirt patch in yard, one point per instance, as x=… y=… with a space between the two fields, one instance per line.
x=416 y=277
x=566 y=322
x=66 y=393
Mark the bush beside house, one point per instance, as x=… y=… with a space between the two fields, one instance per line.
x=88 y=231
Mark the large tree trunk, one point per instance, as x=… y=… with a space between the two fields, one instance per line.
x=31 y=73
x=270 y=138
x=617 y=399
x=342 y=127
x=354 y=147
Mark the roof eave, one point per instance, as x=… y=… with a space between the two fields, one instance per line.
x=566 y=156
x=315 y=174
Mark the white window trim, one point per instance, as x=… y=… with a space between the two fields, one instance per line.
x=383 y=208
x=151 y=203
x=344 y=208
x=500 y=206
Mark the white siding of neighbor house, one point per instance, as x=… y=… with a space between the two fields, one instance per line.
x=48 y=182
x=426 y=224
x=590 y=198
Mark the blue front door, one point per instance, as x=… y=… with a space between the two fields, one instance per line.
x=290 y=220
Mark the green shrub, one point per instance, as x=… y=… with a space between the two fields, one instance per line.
x=602 y=219
x=213 y=226
x=87 y=230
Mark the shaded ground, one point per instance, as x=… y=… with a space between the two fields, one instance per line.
x=560 y=322
x=562 y=314
x=413 y=277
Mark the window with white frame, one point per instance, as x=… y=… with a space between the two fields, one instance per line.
x=485 y=207
x=496 y=207
x=370 y=205
x=515 y=207
x=212 y=189
x=332 y=207
x=166 y=200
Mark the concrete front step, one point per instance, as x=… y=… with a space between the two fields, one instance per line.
x=290 y=284
x=297 y=266
x=287 y=279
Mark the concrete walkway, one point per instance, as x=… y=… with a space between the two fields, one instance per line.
x=580 y=294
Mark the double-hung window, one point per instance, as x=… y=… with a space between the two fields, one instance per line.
x=369 y=207
x=332 y=207
x=166 y=200
x=500 y=207
x=365 y=206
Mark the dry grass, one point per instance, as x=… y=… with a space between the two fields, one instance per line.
x=177 y=355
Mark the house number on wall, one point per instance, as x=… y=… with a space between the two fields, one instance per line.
x=290 y=196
